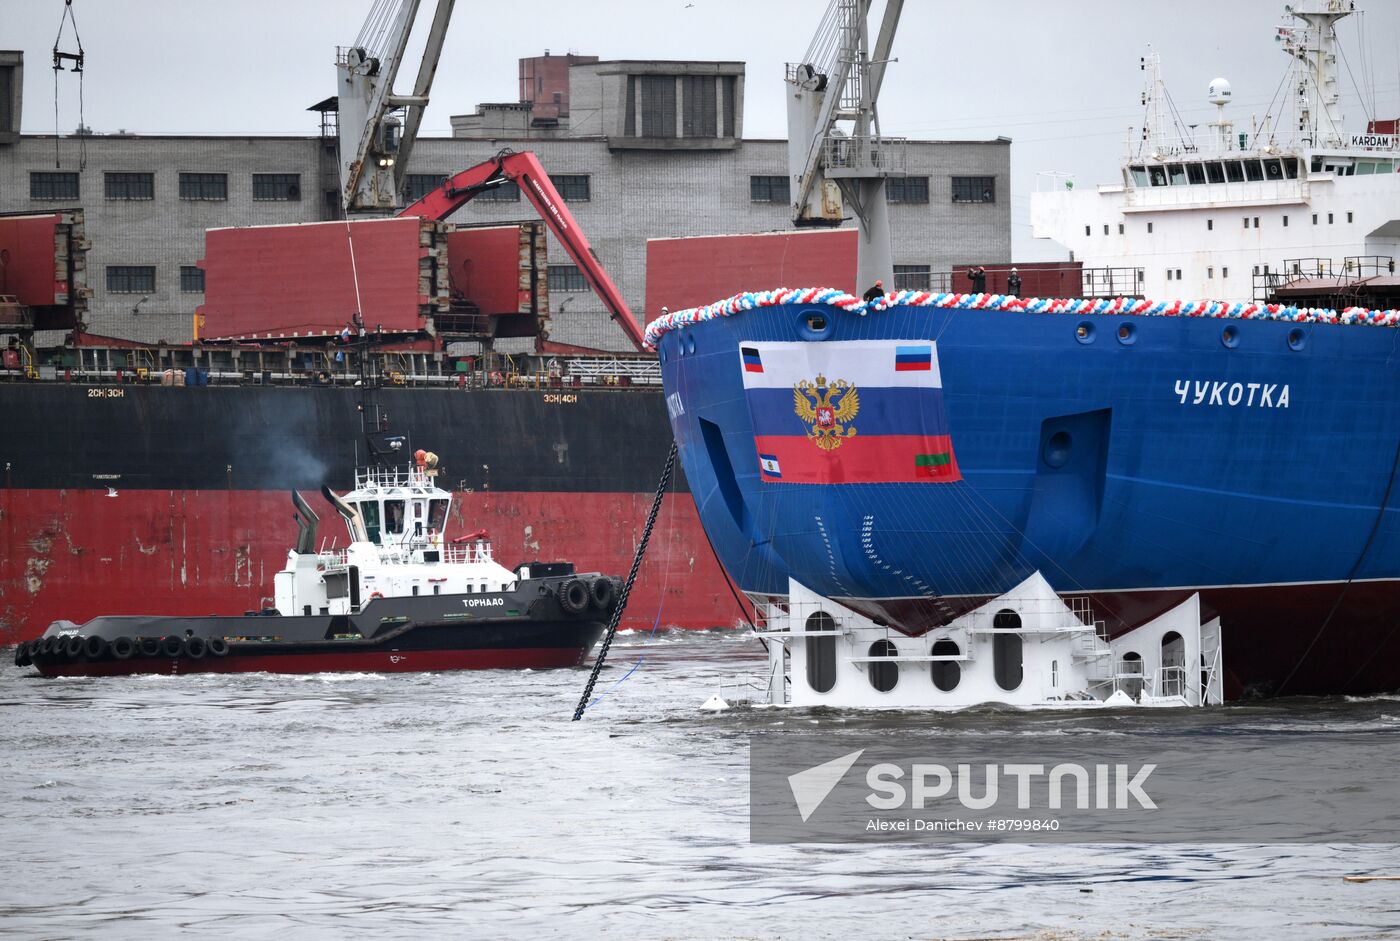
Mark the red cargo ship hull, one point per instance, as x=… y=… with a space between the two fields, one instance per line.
x=78 y=554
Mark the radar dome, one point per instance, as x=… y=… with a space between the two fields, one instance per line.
x=1219 y=91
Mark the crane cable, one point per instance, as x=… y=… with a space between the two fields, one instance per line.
x=661 y=486
x=59 y=57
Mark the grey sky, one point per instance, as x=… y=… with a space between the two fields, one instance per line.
x=1061 y=80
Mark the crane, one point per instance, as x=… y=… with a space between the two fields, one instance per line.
x=524 y=170
x=377 y=128
x=836 y=154
x=375 y=146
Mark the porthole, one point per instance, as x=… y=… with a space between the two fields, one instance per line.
x=1230 y=336
x=1127 y=333
x=821 y=653
x=1056 y=452
x=1084 y=333
x=815 y=324
x=946 y=673
x=1006 y=620
x=883 y=676
x=1297 y=338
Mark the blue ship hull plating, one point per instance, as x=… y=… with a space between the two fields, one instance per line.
x=1132 y=459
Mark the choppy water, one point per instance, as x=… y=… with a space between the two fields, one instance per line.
x=467 y=805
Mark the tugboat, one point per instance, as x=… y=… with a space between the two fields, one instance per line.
x=400 y=597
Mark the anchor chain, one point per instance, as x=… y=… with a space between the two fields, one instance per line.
x=627 y=586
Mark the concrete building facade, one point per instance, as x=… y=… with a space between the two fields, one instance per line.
x=647 y=150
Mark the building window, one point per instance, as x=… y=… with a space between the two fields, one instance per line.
x=1210 y=225
x=53 y=185
x=1329 y=218
x=277 y=187
x=907 y=189
x=204 y=186
x=1169 y=274
x=418 y=185
x=1246 y=222
x=566 y=278
x=911 y=277
x=700 y=106
x=1088 y=230
x=1314 y=218
x=131 y=279
x=1224 y=272
x=191 y=279
x=1210 y=273
x=1178 y=274
x=1256 y=222
x=1348 y=216
x=658 y=105
x=974 y=189
x=574 y=188
x=1120 y=228
x=506 y=192
x=1105 y=228
x=1149 y=228
x=130 y=185
x=1285 y=222
x=769 y=189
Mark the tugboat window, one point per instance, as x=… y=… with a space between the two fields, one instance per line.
x=821 y=653
x=1234 y=172
x=1195 y=173
x=437 y=516
x=393 y=517
x=946 y=673
x=1253 y=171
x=369 y=509
x=1177 y=173
x=1215 y=173
x=884 y=676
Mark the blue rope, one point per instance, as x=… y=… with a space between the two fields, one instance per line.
x=640 y=660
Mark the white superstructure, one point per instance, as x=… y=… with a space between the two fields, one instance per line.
x=1213 y=214
x=395 y=519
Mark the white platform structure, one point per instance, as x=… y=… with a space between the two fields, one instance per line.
x=1028 y=648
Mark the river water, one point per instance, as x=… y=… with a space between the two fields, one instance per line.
x=467 y=805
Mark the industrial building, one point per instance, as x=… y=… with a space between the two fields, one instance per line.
x=640 y=149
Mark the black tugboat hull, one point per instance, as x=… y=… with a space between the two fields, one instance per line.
x=523 y=629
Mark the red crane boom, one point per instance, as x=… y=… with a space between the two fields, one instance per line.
x=524 y=170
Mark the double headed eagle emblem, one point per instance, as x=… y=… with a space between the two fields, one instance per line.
x=827 y=408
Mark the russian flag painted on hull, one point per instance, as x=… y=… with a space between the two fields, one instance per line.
x=859 y=411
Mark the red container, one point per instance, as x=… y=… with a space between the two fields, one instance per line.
x=285 y=281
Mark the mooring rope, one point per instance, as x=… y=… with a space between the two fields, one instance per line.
x=627 y=586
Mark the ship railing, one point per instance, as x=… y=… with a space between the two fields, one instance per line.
x=385 y=477
x=1171 y=681
x=459 y=553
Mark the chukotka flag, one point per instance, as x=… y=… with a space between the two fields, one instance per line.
x=859 y=411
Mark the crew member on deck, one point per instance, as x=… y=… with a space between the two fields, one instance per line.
x=1013 y=283
x=875 y=293
x=978 y=276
